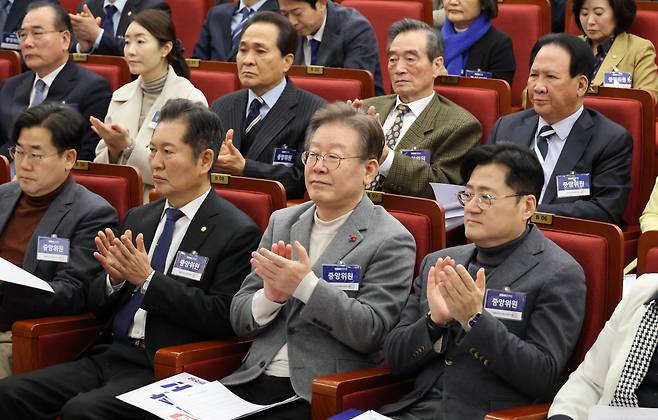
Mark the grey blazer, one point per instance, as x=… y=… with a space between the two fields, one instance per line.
x=335 y=330
x=76 y=214
x=499 y=363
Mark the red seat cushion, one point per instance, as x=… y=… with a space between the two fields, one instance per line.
x=188 y=16
x=652 y=261
x=214 y=84
x=482 y=103
x=112 y=188
x=108 y=71
x=255 y=204
x=419 y=225
x=330 y=89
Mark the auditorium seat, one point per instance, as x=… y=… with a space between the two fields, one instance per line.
x=525 y=21
x=114 y=69
x=213 y=78
x=647 y=253
x=188 y=17
x=5 y=170
x=10 y=64
x=70 y=5
x=382 y=13
x=486 y=99
x=333 y=84
x=596 y=246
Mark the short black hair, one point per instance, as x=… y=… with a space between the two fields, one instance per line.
x=203 y=126
x=490 y=8
x=582 y=58
x=624 y=11
x=66 y=126
x=434 y=40
x=525 y=173
x=286 y=42
x=62 y=20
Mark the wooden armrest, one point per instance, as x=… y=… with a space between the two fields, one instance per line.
x=348 y=382
x=52 y=325
x=528 y=412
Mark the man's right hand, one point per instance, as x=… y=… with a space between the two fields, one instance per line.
x=439 y=312
x=104 y=242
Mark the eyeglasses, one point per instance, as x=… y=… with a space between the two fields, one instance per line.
x=22 y=34
x=330 y=160
x=18 y=155
x=484 y=201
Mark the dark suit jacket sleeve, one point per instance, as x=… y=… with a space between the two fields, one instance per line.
x=203 y=46
x=610 y=184
x=95 y=102
x=361 y=48
x=502 y=63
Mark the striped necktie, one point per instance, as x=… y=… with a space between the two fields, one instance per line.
x=542 y=139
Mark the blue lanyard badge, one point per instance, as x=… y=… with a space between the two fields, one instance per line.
x=505 y=304
x=284 y=156
x=573 y=185
x=10 y=41
x=617 y=79
x=343 y=277
x=478 y=73
x=154 y=120
x=52 y=249
x=191 y=266
x=419 y=154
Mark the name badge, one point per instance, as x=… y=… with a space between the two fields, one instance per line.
x=478 y=73
x=52 y=249
x=617 y=79
x=155 y=120
x=505 y=304
x=284 y=156
x=10 y=41
x=343 y=277
x=418 y=154
x=574 y=185
x=188 y=265
x=74 y=107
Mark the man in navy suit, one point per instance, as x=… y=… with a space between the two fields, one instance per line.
x=99 y=25
x=333 y=36
x=222 y=29
x=586 y=157
x=150 y=299
x=11 y=16
x=45 y=35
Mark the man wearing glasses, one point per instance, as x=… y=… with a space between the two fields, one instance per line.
x=330 y=277
x=44 y=40
x=489 y=325
x=47 y=222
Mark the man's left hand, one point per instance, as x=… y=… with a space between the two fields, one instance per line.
x=133 y=260
x=85 y=26
x=282 y=273
x=230 y=160
x=462 y=295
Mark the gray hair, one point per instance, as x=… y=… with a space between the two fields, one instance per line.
x=434 y=40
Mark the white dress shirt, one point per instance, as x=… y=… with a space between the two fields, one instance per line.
x=317 y=36
x=48 y=80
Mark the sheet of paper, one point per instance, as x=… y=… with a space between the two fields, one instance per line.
x=371 y=415
x=213 y=401
x=446 y=195
x=155 y=397
x=604 y=412
x=13 y=274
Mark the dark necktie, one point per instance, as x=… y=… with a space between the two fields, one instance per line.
x=254 y=114
x=39 y=93
x=126 y=314
x=542 y=139
x=4 y=12
x=315 y=45
x=108 y=24
x=237 y=32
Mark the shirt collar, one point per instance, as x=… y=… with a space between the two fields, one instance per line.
x=119 y=4
x=563 y=127
x=271 y=96
x=255 y=7
x=416 y=106
x=318 y=34
x=603 y=48
x=49 y=78
x=190 y=209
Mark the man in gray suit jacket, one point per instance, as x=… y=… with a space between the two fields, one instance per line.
x=328 y=308
x=265 y=123
x=38 y=211
x=490 y=325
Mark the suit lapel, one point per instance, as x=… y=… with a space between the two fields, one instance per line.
x=574 y=147
x=385 y=107
x=16 y=14
x=63 y=83
x=423 y=124
x=331 y=33
x=236 y=115
x=613 y=58
x=96 y=8
x=9 y=200
x=225 y=22
x=22 y=93
x=518 y=262
x=126 y=16
x=149 y=224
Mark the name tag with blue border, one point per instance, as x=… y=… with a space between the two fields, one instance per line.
x=10 y=41
x=189 y=265
x=617 y=79
x=284 y=156
x=505 y=304
x=574 y=185
x=155 y=119
x=418 y=154
x=478 y=73
x=52 y=249
x=343 y=277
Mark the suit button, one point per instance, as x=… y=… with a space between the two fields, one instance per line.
x=422 y=348
x=448 y=361
x=471 y=350
x=486 y=362
x=261 y=364
x=476 y=354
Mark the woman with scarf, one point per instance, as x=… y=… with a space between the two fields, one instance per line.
x=472 y=43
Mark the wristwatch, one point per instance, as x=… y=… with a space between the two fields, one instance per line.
x=474 y=319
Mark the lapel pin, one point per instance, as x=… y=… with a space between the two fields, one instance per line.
x=353 y=238
x=130 y=13
x=203 y=229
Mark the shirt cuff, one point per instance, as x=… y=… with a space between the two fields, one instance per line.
x=387 y=163
x=146 y=283
x=97 y=42
x=306 y=287
x=110 y=288
x=262 y=309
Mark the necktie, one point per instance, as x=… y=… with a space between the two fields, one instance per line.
x=391 y=140
x=237 y=32
x=126 y=314
x=254 y=114
x=638 y=360
x=108 y=24
x=315 y=45
x=39 y=93
x=542 y=139
x=4 y=12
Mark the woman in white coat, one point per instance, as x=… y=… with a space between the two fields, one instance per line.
x=154 y=55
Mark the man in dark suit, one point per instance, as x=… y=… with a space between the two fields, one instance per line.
x=417 y=121
x=332 y=35
x=267 y=120
x=222 y=29
x=489 y=325
x=45 y=206
x=100 y=29
x=11 y=17
x=45 y=35
x=152 y=297
x=586 y=158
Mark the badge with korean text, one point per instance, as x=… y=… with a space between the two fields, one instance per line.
x=189 y=265
x=419 y=154
x=617 y=79
x=284 y=156
x=343 y=277
x=52 y=249
x=478 y=73
x=155 y=119
x=10 y=41
x=505 y=304
x=574 y=185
